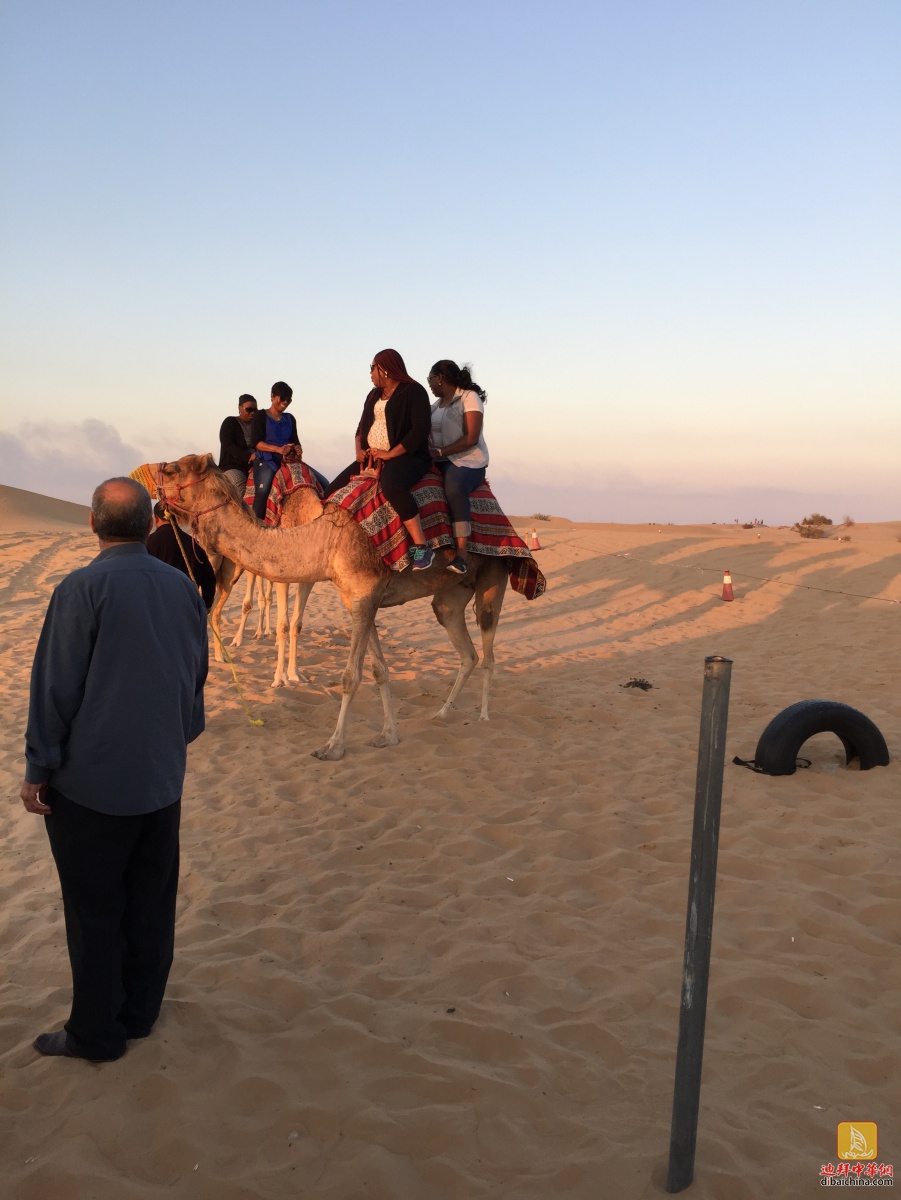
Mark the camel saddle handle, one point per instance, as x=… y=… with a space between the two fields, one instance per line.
x=372 y=467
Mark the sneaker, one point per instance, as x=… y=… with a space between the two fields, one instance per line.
x=422 y=558
x=459 y=566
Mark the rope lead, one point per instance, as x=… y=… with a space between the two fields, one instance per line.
x=250 y=717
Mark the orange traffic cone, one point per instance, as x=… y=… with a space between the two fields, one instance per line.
x=534 y=543
x=727 y=587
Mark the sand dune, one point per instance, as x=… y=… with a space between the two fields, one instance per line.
x=451 y=969
x=21 y=510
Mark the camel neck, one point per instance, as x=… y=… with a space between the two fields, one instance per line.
x=303 y=554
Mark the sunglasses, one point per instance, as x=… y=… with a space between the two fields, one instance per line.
x=247 y=408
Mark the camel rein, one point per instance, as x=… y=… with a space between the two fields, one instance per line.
x=250 y=717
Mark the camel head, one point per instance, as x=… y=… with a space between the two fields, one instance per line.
x=192 y=484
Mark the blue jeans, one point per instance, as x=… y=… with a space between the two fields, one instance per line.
x=459 y=483
x=263 y=475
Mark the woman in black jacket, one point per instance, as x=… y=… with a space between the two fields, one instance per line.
x=235 y=448
x=394 y=430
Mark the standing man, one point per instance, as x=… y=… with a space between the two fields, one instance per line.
x=116 y=696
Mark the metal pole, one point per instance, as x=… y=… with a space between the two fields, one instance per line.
x=699 y=921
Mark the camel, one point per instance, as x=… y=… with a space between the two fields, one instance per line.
x=300 y=506
x=333 y=547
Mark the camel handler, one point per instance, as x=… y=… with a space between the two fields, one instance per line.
x=172 y=545
x=116 y=696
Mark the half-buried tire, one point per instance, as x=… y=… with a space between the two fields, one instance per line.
x=777 y=750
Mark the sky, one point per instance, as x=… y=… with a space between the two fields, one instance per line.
x=666 y=235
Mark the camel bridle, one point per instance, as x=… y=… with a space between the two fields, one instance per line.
x=180 y=487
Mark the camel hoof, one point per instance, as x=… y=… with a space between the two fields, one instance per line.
x=277 y=683
x=441 y=714
x=236 y=642
x=483 y=716
x=295 y=678
x=328 y=753
x=385 y=739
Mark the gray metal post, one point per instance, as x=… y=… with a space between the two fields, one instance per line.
x=699 y=922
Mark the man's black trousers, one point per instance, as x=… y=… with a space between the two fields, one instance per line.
x=119 y=879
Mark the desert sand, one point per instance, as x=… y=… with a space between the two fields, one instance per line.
x=451 y=969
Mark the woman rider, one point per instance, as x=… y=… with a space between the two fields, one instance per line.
x=394 y=430
x=273 y=433
x=235 y=446
x=458 y=446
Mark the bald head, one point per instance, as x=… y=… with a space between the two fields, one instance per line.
x=120 y=511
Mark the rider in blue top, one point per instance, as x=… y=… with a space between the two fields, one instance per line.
x=272 y=431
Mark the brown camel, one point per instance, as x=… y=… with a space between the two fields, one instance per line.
x=300 y=506
x=334 y=547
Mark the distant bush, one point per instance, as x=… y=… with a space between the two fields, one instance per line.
x=813 y=526
x=547 y=517
x=848 y=521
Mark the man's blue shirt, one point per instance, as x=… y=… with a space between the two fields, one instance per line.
x=117 y=684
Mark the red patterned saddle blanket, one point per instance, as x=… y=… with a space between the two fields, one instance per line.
x=287 y=479
x=492 y=533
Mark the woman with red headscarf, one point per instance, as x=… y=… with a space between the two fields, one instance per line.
x=394 y=430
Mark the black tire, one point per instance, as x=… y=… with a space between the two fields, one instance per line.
x=777 y=750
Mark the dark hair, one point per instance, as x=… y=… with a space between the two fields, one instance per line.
x=460 y=377
x=118 y=517
x=248 y=399
x=393 y=366
x=160 y=511
x=282 y=390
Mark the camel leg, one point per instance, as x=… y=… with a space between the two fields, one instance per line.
x=490 y=589
x=362 y=612
x=388 y=736
x=264 y=599
x=301 y=597
x=246 y=606
x=281 y=633
x=267 y=607
x=449 y=607
x=226 y=578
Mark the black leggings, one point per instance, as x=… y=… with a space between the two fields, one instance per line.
x=397 y=477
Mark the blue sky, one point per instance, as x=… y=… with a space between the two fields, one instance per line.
x=667 y=236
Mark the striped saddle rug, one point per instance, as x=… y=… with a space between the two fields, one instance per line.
x=492 y=533
x=287 y=479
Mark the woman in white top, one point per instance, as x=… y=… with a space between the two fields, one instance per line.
x=458 y=446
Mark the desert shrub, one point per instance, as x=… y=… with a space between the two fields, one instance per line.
x=848 y=521
x=547 y=517
x=815 y=519
x=810 y=531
